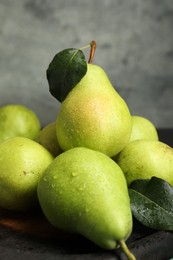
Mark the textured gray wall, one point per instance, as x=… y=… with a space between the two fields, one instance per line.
x=134 y=46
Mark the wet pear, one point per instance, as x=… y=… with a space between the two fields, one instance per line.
x=84 y=191
x=94 y=115
x=143 y=159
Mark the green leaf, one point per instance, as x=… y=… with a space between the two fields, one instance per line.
x=65 y=70
x=152 y=203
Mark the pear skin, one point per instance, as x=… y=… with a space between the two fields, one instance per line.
x=48 y=139
x=143 y=159
x=22 y=161
x=143 y=128
x=94 y=115
x=18 y=120
x=84 y=191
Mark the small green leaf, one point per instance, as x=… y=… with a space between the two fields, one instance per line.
x=65 y=70
x=152 y=203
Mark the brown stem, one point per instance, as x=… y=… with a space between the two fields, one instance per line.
x=92 y=51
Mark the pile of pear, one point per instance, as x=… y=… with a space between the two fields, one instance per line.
x=78 y=168
x=22 y=159
x=95 y=116
x=104 y=149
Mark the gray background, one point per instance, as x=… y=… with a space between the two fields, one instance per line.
x=134 y=46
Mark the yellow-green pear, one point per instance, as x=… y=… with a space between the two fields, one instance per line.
x=22 y=162
x=143 y=159
x=84 y=191
x=94 y=115
x=143 y=128
x=47 y=138
x=18 y=120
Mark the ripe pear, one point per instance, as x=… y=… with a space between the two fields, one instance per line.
x=22 y=162
x=143 y=159
x=94 y=115
x=18 y=120
x=84 y=191
x=47 y=138
x=143 y=128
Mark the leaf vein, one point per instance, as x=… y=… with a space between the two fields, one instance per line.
x=163 y=209
x=65 y=71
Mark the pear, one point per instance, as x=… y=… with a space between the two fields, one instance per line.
x=143 y=128
x=143 y=159
x=94 y=115
x=18 y=120
x=84 y=191
x=22 y=161
x=47 y=138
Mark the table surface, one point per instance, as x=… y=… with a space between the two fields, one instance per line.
x=29 y=236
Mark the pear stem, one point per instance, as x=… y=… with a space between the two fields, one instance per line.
x=126 y=251
x=92 y=51
x=85 y=47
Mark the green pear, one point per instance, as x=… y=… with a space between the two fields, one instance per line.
x=94 y=115
x=22 y=162
x=143 y=159
x=47 y=138
x=143 y=128
x=84 y=191
x=18 y=120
